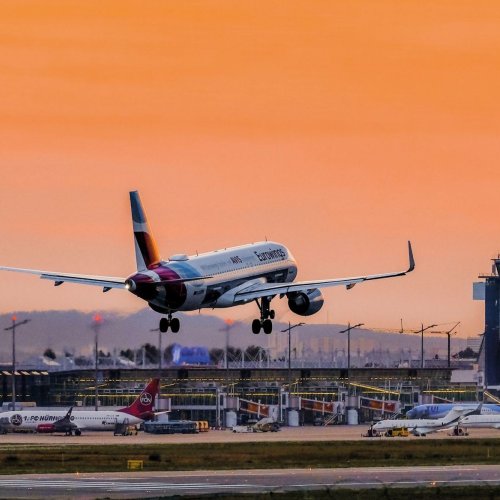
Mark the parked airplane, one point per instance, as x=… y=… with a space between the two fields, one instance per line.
x=224 y=278
x=62 y=425
x=422 y=427
x=441 y=409
x=491 y=420
x=77 y=421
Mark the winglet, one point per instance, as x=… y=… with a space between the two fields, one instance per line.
x=410 y=256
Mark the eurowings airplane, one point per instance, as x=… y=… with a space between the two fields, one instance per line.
x=223 y=278
x=45 y=421
x=424 y=426
x=441 y=409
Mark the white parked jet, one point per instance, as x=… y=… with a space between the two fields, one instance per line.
x=76 y=421
x=224 y=278
x=424 y=426
x=478 y=421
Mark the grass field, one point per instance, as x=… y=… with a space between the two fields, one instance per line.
x=16 y=459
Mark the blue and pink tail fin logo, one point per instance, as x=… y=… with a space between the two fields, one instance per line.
x=143 y=405
x=146 y=251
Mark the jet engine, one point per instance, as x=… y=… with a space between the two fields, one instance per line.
x=305 y=303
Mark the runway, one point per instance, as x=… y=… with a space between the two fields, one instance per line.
x=143 y=485
x=329 y=433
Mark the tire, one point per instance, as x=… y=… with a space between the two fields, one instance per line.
x=256 y=326
x=164 y=324
x=175 y=325
x=267 y=326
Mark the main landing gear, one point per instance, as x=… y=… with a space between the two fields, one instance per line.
x=266 y=315
x=173 y=323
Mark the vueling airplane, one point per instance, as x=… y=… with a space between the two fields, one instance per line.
x=224 y=278
x=45 y=421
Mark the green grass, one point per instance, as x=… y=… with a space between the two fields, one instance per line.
x=441 y=493
x=162 y=457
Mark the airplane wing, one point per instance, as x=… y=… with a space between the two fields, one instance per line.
x=107 y=282
x=258 y=290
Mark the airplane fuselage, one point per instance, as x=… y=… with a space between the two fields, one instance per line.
x=416 y=426
x=481 y=421
x=224 y=271
x=441 y=409
x=30 y=420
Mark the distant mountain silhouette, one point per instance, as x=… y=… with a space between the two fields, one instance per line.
x=71 y=331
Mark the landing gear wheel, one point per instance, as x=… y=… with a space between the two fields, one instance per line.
x=164 y=324
x=78 y=432
x=267 y=326
x=256 y=326
x=175 y=324
x=272 y=314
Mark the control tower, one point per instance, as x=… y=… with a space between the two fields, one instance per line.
x=489 y=291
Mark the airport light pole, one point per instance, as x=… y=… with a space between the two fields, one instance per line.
x=348 y=330
x=15 y=324
x=289 y=329
x=229 y=323
x=97 y=321
x=159 y=349
x=448 y=333
x=421 y=331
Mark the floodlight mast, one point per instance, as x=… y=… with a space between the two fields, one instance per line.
x=15 y=324
x=421 y=331
x=448 y=333
x=97 y=321
x=289 y=329
x=348 y=330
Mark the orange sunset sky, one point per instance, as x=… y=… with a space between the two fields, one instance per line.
x=340 y=129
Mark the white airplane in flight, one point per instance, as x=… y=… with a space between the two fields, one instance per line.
x=424 y=426
x=224 y=278
x=45 y=421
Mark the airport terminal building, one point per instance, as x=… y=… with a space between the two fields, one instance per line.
x=225 y=397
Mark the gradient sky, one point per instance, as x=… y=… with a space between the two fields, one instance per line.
x=340 y=129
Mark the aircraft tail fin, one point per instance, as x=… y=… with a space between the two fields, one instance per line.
x=146 y=251
x=142 y=407
x=458 y=412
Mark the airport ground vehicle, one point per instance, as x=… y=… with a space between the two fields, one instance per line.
x=201 y=425
x=125 y=429
x=243 y=428
x=371 y=432
x=398 y=432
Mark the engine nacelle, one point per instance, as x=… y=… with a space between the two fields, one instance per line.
x=305 y=303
